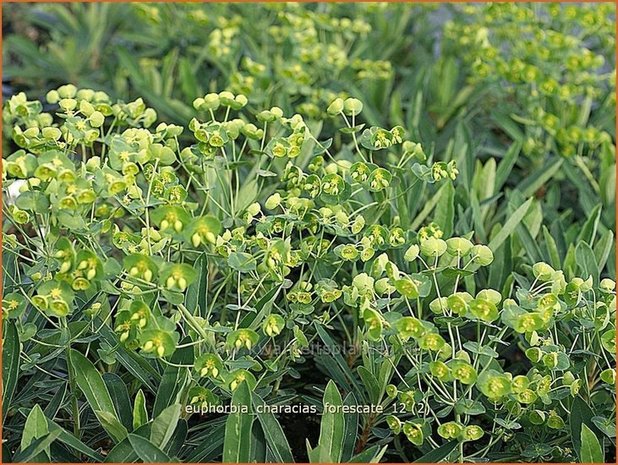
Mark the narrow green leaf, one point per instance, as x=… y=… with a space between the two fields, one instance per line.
x=35 y=427
x=439 y=454
x=477 y=218
x=275 y=437
x=586 y=261
x=603 y=249
x=372 y=387
x=146 y=450
x=581 y=413
x=74 y=443
x=313 y=453
x=177 y=441
x=140 y=414
x=37 y=447
x=137 y=365
x=506 y=165
x=533 y=183
x=196 y=295
x=370 y=455
x=10 y=364
x=54 y=404
x=112 y=425
x=332 y=425
x=590 y=450
x=120 y=397
x=508 y=125
x=552 y=256
x=529 y=244
x=351 y=429
x=339 y=368
x=210 y=447
x=164 y=425
x=173 y=380
x=589 y=229
x=123 y=452
x=510 y=225
x=92 y=385
x=237 y=443
x=445 y=210
x=259 y=449
x=429 y=206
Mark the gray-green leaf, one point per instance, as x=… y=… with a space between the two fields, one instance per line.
x=591 y=450
x=332 y=426
x=164 y=425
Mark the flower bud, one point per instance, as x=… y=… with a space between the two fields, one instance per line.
x=542 y=271
x=482 y=255
x=67 y=91
x=51 y=133
x=226 y=98
x=472 y=433
x=211 y=101
x=273 y=201
x=433 y=247
x=534 y=354
x=352 y=106
x=609 y=376
x=198 y=103
x=335 y=107
x=86 y=108
x=241 y=100
x=278 y=112
x=254 y=209
x=68 y=104
x=412 y=253
x=96 y=119
x=458 y=246
x=52 y=96
x=607 y=285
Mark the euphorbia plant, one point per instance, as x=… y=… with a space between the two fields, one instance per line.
x=220 y=251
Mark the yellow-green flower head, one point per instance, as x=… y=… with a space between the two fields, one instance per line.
x=208 y=365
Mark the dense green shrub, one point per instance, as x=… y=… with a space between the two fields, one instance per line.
x=406 y=225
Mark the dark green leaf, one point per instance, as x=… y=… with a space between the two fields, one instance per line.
x=173 y=380
x=273 y=433
x=146 y=450
x=10 y=364
x=91 y=384
x=439 y=454
x=120 y=397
